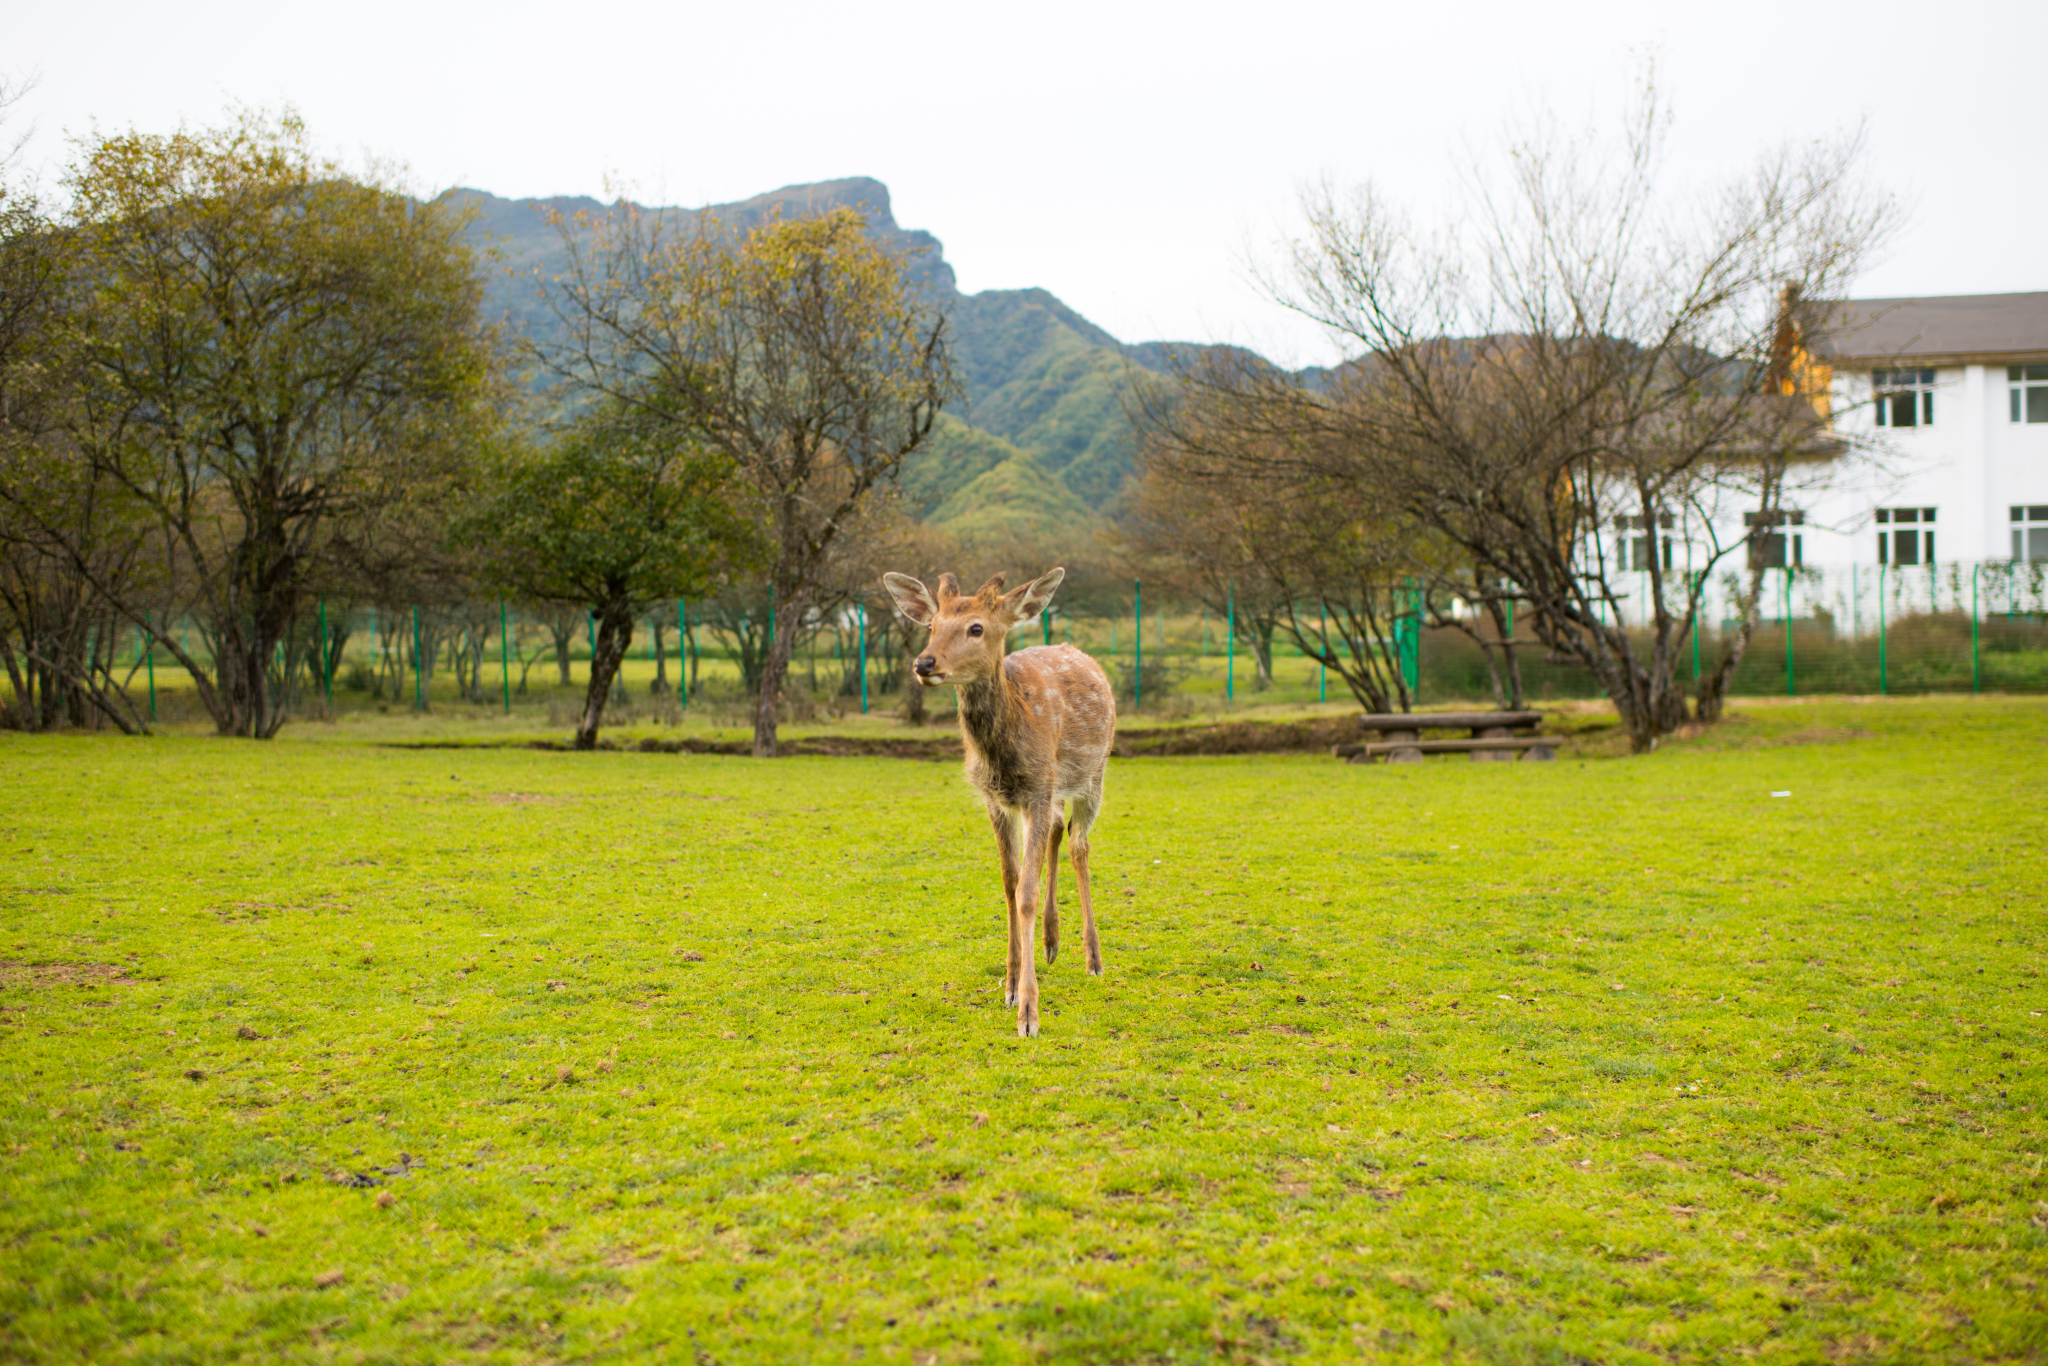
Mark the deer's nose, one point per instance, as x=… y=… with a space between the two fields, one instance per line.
x=926 y=665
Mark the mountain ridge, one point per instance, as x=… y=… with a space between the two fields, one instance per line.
x=1040 y=378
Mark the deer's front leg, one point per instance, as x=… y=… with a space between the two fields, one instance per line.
x=1006 y=845
x=1037 y=833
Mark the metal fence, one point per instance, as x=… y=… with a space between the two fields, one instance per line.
x=1947 y=627
x=1954 y=626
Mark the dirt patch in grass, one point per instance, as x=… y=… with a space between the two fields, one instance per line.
x=1239 y=737
x=86 y=975
x=814 y=746
x=1739 y=732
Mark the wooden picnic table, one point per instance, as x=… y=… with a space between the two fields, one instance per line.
x=1492 y=737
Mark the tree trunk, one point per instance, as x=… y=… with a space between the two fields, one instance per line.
x=1493 y=672
x=1713 y=686
x=774 y=670
x=1509 y=671
x=562 y=636
x=614 y=635
x=660 y=683
x=1713 y=695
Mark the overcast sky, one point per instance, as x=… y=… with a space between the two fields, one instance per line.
x=1124 y=156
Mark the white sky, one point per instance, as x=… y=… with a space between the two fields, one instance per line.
x=1124 y=156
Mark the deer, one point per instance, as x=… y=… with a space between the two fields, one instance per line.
x=1037 y=727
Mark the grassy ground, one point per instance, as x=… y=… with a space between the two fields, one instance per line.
x=321 y=1052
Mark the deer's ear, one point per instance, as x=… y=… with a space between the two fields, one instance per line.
x=1034 y=597
x=913 y=599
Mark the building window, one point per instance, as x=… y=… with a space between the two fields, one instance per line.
x=1772 y=542
x=1640 y=546
x=1905 y=398
x=2030 y=534
x=2029 y=392
x=1905 y=535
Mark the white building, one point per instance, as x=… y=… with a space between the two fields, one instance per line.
x=1952 y=393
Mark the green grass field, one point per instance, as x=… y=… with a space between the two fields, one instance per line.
x=319 y=1051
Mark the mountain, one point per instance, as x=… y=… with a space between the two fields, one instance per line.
x=1041 y=424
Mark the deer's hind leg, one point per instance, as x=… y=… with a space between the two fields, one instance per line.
x=1052 y=885
x=1020 y=948
x=1078 y=822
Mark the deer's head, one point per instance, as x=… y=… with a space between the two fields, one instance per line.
x=968 y=631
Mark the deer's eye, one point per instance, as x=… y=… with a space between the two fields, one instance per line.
x=975 y=629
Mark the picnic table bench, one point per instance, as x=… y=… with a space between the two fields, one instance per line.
x=1493 y=737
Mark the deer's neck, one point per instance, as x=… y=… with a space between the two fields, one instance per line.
x=992 y=720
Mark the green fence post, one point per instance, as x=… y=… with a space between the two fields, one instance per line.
x=150 y=664
x=419 y=677
x=1976 y=659
x=505 y=653
x=1137 y=646
x=1230 y=648
x=1045 y=624
x=1323 y=648
x=1408 y=640
x=862 y=609
x=1881 y=681
x=1790 y=689
x=683 y=652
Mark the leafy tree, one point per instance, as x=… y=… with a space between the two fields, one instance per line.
x=58 y=629
x=281 y=363
x=797 y=350
x=617 y=512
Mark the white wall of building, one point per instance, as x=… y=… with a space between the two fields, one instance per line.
x=1972 y=465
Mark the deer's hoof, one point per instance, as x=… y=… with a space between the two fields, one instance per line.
x=1052 y=951
x=1027 y=1026
x=1095 y=968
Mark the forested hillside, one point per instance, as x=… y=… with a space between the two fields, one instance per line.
x=1040 y=436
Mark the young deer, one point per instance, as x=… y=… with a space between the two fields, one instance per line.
x=1038 y=725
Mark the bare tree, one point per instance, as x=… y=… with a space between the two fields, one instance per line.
x=1186 y=521
x=796 y=349
x=1578 y=385
x=1328 y=565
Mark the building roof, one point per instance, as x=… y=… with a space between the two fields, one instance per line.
x=1954 y=328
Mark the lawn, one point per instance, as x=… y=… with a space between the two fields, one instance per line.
x=336 y=1052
